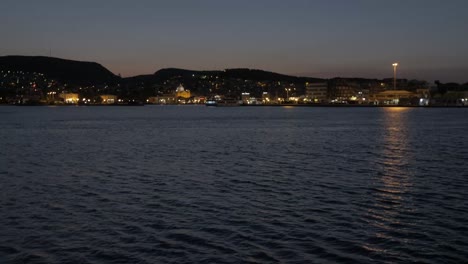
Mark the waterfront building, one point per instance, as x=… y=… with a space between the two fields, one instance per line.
x=182 y=93
x=108 y=99
x=317 y=92
x=162 y=99
x=464 y=98
x=70 y=98
x=199 y=100
x=423 y=93
x=178 y=96
x=393 y=97
x=152 y=100
x=362 y=96
x=451 y=98
x=343 y=90
x=52 y=97
x=266 y=97
x=245 y=97
x=254 y=101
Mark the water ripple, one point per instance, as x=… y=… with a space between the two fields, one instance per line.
x=238 y=185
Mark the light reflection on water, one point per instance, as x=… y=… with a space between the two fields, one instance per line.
x=395 y=152
x=393 y=177
x=233 y=185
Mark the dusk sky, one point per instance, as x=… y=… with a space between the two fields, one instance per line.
x=327 y=38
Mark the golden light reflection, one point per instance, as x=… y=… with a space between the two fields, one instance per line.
x=396 y=109
x=393 y=178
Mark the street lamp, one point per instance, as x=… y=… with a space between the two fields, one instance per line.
x=394 y=75
x=287 y=93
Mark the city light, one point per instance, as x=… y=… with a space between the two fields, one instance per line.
x=395 y=65
x=287 y=93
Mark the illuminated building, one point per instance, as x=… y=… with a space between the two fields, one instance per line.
x=245 y=98
x=182 y=93
x=162 y=99
x=265 y=97
x=108 y=99
x=392 y=97
x=70 y=98
x=317 y=92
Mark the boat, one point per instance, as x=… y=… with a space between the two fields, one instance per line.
x=211 y=103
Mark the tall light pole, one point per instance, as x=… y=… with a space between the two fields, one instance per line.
x=287 y=93
x=394 y=75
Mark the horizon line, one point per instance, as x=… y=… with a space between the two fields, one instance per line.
x=301 y=75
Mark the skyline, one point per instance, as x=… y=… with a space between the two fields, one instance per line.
x=318 y=39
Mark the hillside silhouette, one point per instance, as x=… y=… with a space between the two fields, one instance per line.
x=68 y=71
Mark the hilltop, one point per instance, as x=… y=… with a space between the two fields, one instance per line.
x=187 y=76
x=229 y=82
x=237 y=73
x=92 y=73
x=67 y=71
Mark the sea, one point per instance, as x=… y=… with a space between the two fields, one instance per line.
x=197 y=184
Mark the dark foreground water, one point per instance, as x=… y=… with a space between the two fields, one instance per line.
x=193 y=184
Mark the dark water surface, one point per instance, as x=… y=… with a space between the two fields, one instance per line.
x=193 y=184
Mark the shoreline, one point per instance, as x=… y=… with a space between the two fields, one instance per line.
x=259 y=105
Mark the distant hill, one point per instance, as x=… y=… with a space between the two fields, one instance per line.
x=186 y=76
x=79 y=72
x=240 y=73
x=69 y=71
x=260 y=75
